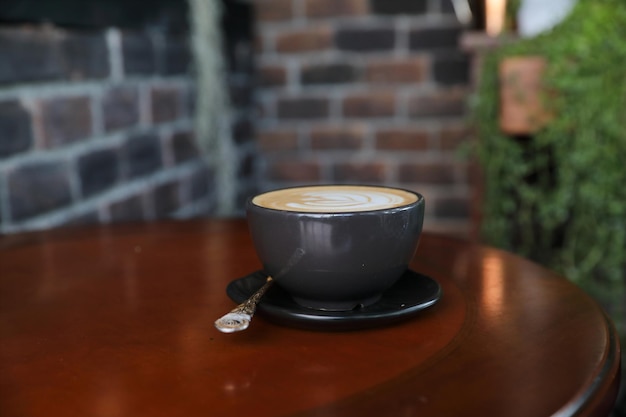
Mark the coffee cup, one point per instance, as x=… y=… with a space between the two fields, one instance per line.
x=336 y=247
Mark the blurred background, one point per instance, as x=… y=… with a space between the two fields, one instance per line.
x=108 y=112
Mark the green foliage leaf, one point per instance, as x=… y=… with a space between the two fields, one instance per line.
x=560 y=197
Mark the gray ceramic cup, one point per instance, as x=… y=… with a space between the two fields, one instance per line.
x=336 y=247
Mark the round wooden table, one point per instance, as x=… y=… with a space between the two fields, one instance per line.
x=118 y=321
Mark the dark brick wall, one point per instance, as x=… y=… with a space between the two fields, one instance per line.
x=120 y=108
x=98 y=171
x=368 y=39
x=36 y=188
x=84 y=139
x=170 y=15
x=365 y=91
x=65 y=120
x=399 y=7
x=45 y=54
x=97 y=113
x=15 y=123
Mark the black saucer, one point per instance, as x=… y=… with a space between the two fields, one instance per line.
x=412 y=293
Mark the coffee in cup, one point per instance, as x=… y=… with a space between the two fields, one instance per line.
x=335 y=199
x=336 y=247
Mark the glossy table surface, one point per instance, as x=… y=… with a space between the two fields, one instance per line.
x=118 y=321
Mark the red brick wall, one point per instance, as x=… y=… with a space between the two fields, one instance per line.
x=365 y=91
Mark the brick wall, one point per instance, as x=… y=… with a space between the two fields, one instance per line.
x=97 y=125
x=365 y=91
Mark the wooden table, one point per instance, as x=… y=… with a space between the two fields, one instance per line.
x=118 y=321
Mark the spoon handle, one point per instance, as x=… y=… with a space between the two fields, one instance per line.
x=239 y=318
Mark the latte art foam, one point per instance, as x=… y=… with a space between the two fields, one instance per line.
x=345 y=200
x=334 y=199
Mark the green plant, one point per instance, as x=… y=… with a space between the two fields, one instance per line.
x=559 y=195
x=512 y=7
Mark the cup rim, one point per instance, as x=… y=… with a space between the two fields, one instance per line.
x=420 y=200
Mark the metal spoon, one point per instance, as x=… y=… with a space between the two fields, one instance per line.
x=239 y=318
